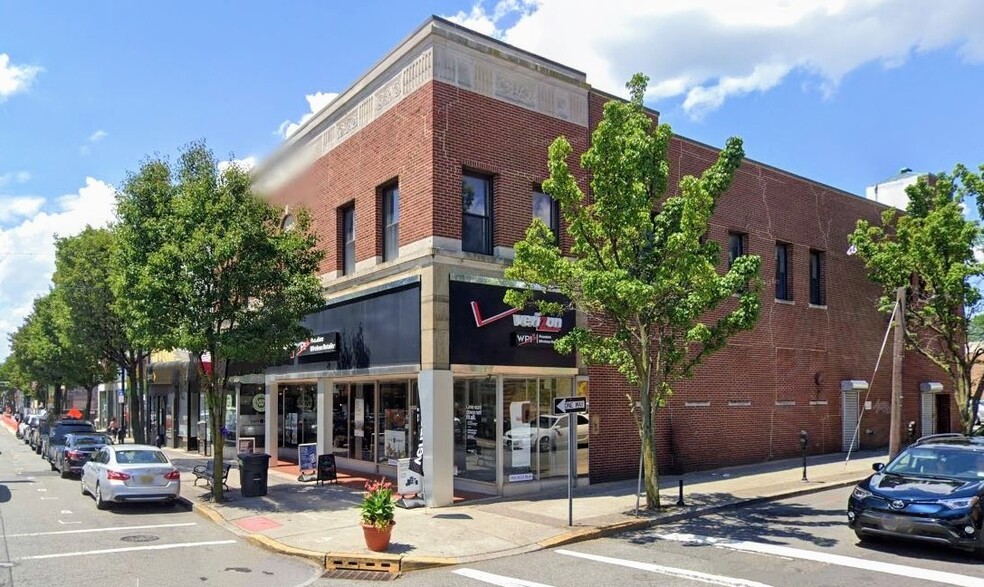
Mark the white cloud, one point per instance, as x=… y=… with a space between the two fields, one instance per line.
x=15 y=78
x=98 y=136
x=316 y=102
x=706 y=51
x=246 y=163
x=12 y=177
x=27 y=249
x=13 y=207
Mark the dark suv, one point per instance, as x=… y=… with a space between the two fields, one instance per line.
x=55 y=442
x=931 y=491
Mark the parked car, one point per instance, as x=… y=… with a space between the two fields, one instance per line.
x=548 y=432
x=130 y=472
x=25 y=428
x=78 y=449
x=932 y=492
x=55 y=440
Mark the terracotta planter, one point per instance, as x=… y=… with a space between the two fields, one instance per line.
x=377 y=539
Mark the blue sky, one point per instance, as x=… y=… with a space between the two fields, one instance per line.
x=843 y=93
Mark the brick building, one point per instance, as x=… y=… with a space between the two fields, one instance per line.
x=422 y=176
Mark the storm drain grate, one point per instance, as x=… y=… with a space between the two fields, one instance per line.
x=361 y=575
x=140 y=538
x=349 y=563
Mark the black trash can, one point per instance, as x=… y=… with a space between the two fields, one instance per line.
x=253 y=474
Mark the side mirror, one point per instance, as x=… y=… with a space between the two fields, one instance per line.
x=877 y=467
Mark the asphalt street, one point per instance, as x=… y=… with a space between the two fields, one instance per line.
x=52 y=535
x=800 y=542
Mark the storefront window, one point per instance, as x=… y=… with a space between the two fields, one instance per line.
x=475 y=429
x=362 y=421
x=394 y=441
x=535 y=441
x=341 y=421
x=252 y=415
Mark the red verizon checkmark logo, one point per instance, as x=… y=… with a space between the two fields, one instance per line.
x=480 y=322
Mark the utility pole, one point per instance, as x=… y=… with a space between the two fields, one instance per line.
x=895 y=433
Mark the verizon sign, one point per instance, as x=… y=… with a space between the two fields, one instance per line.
x=487 y=331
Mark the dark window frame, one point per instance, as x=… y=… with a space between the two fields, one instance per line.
x=486 y=219
x=784 y=273
x=391 y=242
x=554 y=224
x=818 y=278
x=741 y=240
x=346 y=216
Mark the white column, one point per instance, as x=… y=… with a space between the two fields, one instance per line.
x=270 y=418
x=437 y=421
x=325 y=423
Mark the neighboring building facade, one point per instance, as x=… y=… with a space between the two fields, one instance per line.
x=422 y=176
x=891 y=191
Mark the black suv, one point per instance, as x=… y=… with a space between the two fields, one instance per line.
x=931 y=491
x=55 y=442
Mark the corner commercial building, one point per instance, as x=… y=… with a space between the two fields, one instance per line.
x=422 y=176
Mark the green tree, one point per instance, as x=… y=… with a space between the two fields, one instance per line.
x=976 y=328
x=639 y=263
x=216 y=275
x=930 y=251
x=82 y=278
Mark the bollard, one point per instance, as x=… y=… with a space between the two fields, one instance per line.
x=804 y=442
x=680 y=499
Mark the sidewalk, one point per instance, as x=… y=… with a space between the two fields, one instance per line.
x=322 y=522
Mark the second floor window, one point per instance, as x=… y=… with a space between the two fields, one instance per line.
x=391 y=223
x=818 y=295
x=784 y=290
x=476 y=217
x=736 y=246
x=348 y=236
x=546 y=209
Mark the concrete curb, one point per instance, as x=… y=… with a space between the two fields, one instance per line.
x=409 y=563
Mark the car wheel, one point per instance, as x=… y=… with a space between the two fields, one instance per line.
x=82 y=485
x=862 y=537
x=544 y=444
x=101 y=504
x=52 y=464
x=65 y=472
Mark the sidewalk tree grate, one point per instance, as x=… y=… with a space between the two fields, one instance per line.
x=376 y=566
x=360 y=575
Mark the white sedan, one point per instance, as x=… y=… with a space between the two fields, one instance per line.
x=547 y=432
x=130 y=472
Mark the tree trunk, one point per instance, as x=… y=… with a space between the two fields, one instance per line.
x=215 y=400
x=135 y=423
x=59 y=400
x=88 y=402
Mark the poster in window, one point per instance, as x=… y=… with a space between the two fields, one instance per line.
x=395 y=445
x=520 y=434
x=246 y=445
x=359 y=417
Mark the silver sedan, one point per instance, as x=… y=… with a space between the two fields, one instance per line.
x=130 y=472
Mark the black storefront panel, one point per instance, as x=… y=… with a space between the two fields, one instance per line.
x=372 y=331
x=487 y=331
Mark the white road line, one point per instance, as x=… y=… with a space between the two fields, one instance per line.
x=115 y=529
x=828 y=558
x=64 y=523
x=500 y=580
x=668 y=571
x=128 y=549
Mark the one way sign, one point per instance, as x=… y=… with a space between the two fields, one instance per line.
x=569 y=405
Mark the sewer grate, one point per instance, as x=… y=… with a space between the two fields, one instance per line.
x=355 y=563
x=140 y=538
x=360 y=575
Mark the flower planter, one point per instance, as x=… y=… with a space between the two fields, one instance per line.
x=377 y=539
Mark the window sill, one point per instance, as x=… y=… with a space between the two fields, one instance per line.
x=817 y=306
x=785 y=302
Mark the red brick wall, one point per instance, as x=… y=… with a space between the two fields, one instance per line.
x=397 y=145
x=508 y=142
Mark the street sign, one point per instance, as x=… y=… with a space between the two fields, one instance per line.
x=570 y=405
x=120 y=397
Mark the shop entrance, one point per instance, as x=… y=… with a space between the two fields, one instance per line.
x=298 y=416
x=375 y=422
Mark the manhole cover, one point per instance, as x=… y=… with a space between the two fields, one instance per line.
x=140 y=538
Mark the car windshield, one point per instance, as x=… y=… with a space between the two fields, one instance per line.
x=939 y=461
x=546 y=421
x=140 y=457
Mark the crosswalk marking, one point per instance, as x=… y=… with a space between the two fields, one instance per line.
x=829 y=558
x=668 y=571
x=500 y=580
x=127 y=549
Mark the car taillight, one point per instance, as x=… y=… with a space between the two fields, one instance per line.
x=75 y=454
x=117 y=476
x=173 y=475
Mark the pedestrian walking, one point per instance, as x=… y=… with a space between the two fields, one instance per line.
x=113 y=429
x=121 y=434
